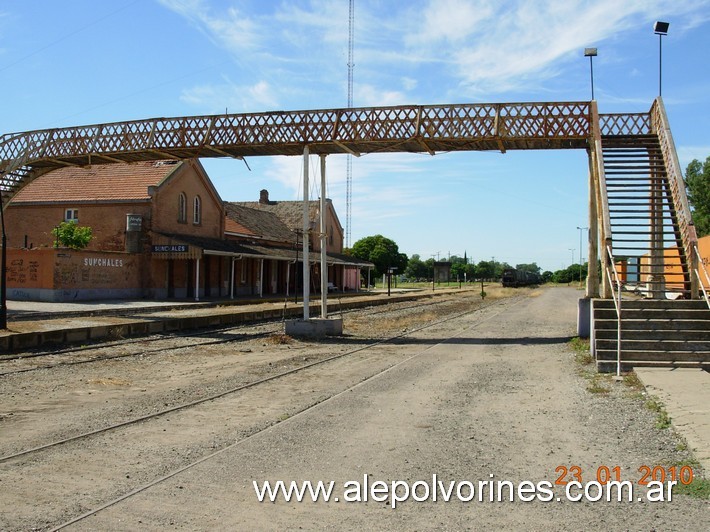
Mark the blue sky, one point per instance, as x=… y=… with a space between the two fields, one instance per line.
x=79 y=62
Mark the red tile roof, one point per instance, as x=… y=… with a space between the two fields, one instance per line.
x=232 y=226
x=100 y=182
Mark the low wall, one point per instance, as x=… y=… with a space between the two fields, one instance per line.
x=69 y=275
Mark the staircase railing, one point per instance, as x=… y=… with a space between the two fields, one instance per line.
x=602 y=197
x=7 y=184
x=689 y=239
x=699 y=261
x=617 y=306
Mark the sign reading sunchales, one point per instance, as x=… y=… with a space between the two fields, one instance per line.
x=170 y=248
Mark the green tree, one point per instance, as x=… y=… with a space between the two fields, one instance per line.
x=697 y=181
x=570 y=274
x=531 y=268
x=485 y=269
x=72 y=235
x=416 y=268
x=382 y=252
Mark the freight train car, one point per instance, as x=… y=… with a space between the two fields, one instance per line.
x=515 y=278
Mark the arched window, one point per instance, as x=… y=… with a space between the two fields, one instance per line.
x=197 y=211
x=182 y=208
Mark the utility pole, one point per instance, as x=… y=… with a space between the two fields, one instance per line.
x=349 y=160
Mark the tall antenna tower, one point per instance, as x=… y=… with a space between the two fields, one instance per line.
x=349 y=167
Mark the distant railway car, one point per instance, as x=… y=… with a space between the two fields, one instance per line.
x=515 y=278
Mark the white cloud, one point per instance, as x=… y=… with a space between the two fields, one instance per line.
x=235 y=98
x=370 y=96
x=231 y=29
x=451 y=21
x=462 y=48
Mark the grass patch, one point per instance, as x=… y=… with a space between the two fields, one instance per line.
x=663 y=420
x=699 y=489
x=582 y=351
x=597 y=384
x=632 y=381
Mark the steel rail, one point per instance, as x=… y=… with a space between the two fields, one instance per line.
x=173 y=336
x=236 y=389
x=303 y=411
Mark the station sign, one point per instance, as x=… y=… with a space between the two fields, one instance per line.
x=170 y=248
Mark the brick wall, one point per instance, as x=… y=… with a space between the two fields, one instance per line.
x=68 y=275
x=32 y=225
x=192 y=182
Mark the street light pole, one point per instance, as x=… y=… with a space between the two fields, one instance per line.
x=660 y=29
x=590 y=53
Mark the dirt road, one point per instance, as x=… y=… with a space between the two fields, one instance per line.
x=492 y=395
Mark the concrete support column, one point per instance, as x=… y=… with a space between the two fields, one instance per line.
x=323 y=244
x=593 y=236
x=197 y=280
x=232 y=280
x=306 y=227
x=261 y=277
x=288 y=277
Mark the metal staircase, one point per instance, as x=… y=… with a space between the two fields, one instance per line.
x=651 y=314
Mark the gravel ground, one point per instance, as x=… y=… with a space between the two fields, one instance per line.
x=502 y=396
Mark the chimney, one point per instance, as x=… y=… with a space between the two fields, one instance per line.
x=264 y=197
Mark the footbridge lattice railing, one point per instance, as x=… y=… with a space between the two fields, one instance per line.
x=427 y=129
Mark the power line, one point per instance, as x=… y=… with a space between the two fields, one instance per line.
x=67 y=35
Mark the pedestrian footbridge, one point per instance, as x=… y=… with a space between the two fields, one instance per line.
x=638 y=207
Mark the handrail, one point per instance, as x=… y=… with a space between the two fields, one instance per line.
x=602 y=197
x=697 y=273
x=662 y=128
x=617 y=305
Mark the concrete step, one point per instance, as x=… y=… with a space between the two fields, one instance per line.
x=632 y=356
x=653 y=303
x=606 y=366
x=665 y=346
x=656 y=335
x=653 y=325
x=650 y=314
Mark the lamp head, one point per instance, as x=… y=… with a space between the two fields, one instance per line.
x=590 y=52
x=661 y=28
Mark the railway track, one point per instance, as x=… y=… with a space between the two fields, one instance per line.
x=302 y=411
x=87 y=354
x=229 y=391
x=88 y=440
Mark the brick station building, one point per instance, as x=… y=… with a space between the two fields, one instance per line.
x=161 y=231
